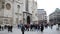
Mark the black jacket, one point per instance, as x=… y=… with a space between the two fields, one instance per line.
x=22 y=28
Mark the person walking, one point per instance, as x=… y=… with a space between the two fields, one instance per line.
x=11 y=28
x=42 y=27
x=0 y=27
x=51 y=26
x=8 y=28
x=22 y=29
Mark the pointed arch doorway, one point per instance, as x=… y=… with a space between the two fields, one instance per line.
x=28 y=19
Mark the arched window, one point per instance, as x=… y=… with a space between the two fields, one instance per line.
x=3 y=4
x=18 y=8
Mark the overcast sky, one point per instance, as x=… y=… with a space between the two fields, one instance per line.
x=48 y=5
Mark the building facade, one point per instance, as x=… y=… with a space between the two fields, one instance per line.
x=54 y=17
x=42 y=16
x=18 y=12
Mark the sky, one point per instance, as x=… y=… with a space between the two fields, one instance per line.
x=48 y=5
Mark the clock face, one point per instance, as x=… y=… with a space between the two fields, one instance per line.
x=8 y=6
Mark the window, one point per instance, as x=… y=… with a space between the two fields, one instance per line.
x=45 y=17
x=3 y=6
x=18 y=6
x=3 y=2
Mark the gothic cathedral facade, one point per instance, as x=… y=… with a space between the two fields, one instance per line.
x=16 y=12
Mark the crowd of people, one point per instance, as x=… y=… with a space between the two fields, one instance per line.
x=8 y=27
x=26 y=27
x=32 y=27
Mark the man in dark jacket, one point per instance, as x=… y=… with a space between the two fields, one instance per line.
x=11 y=27
x=22 y=29
x=0 y=27
x=8 y=28
x=42 y=27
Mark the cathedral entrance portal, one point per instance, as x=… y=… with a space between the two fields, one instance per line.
x=28 y=19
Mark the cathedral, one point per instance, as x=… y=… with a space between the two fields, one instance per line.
x=16 y=12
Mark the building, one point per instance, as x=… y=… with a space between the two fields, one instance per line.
x=16 y=12
x=54 y=17
x=42 y=16
x=35 y=13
